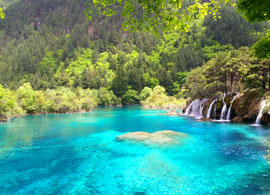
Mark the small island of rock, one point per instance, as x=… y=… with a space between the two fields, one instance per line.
x=158 y=138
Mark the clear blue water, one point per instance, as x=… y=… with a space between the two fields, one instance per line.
x=78 y=154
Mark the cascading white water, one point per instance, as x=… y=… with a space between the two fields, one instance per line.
x=228 y=117
x=189 y=108
x=223 y=112
x=259 y=116
x=224 y=109
x=196 y=108
x=201 y=107
x=201 y=112
x=210 y=109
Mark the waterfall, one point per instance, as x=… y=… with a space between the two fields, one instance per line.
x=201 y=107
x=224 y=109
x=258 y=119
x=210 y=109
x=223 y=112
x=196 y=108
x=189 y=108
x=228 y=117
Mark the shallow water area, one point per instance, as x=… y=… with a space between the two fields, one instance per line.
x=79 y=154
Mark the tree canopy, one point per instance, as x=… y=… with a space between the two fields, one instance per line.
x=255 y=11
x=158 y=16
x=262 y=47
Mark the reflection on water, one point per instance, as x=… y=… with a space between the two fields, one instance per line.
x=78 y=154
x=13 y=138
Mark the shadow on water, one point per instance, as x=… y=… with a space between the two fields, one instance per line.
x=257 y=183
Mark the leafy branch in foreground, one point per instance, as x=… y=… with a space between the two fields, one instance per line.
x=158 y=16
x=255 y=11
x=2 y=15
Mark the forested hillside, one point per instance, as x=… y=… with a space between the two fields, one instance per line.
x=52 y=44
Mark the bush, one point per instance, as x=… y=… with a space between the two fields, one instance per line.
x=130 y=97
x=65 y=100
x=145 y=93
x=60 y=100
x=106 y=97
x=8 y=104
x=29 y=99
x=159 y=99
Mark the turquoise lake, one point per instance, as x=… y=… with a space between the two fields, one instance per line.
x=79 y=154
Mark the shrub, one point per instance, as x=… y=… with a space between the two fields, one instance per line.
x=145 y=93
x=8 y=104
x=106 y=97
x=130 y=97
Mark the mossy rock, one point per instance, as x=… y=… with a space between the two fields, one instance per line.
x=246 y=107
x=207 y=105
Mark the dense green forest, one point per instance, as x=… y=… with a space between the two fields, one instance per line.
x=53 y=46
x=229 y=72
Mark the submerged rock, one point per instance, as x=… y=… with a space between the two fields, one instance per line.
x=166 y=137
x=173 y=114
x=139 y=193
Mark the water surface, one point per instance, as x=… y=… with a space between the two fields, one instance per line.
x=78 y=154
